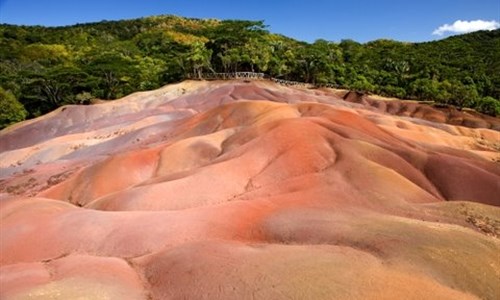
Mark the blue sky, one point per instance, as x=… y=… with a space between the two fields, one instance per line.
x=361 y=20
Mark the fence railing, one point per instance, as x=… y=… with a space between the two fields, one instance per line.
x=229 y=76
x=257 y=76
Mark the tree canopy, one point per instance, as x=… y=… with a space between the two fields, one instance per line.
x=46 y=67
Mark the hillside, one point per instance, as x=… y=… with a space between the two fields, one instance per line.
x=45 y=68
x=250 y=190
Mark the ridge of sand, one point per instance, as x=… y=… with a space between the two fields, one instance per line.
x=232 y=189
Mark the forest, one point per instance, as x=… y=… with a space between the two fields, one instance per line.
x=43 y=68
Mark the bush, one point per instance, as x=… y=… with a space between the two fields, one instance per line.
x=393 y=91
x=362 y=84
x=11 y=110
x=489 y=106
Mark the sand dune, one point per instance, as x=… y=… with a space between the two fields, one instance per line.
x=250 y=190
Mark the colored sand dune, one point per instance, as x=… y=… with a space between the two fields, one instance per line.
x=250 y=190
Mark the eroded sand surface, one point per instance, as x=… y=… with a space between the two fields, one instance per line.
x=237 y=190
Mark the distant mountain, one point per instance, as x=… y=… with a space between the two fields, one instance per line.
x=46 y=67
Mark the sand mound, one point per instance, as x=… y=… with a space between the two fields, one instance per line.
x=445 y=114
x=224 y=190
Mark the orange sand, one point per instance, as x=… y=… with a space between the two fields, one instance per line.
x=225 y=190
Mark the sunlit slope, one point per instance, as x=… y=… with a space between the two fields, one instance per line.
x=224 y=190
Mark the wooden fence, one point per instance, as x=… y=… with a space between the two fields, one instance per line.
x=258 y=76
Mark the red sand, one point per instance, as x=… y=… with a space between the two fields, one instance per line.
x=224 y=190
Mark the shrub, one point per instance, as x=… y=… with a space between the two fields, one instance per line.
x=488 y=105
x=11 y=110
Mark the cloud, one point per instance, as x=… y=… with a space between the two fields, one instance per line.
x=467 y=26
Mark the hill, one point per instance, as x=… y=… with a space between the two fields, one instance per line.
x=44 y=68
x=250 y=190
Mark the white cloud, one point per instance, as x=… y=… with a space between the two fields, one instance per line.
x=466 y=26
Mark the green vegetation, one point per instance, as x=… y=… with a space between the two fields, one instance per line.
x=11 y=111
x=46 y=67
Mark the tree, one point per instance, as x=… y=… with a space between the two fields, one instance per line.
x=47 y=55
x=111 y=74
x=199 y=58
x=489 y=106
x=229 y=39
x=362 y=84
x=283 y=58
x=464 y=95
x=150 y=72
x=316 y=62
x=257 y=54
x=426 y=89
x=11 y=110
x=48 y=88
x=48 y=67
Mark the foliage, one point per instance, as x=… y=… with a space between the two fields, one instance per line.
x=46 y=67
x=11 y=111
x=489 y=106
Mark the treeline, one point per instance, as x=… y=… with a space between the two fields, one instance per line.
x=43 y=68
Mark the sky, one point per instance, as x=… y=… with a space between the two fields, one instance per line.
x=360 y=20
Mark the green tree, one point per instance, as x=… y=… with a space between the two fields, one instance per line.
x=489 y=106
x=229 y=39
x=47 y=55
x=111 y=74
x=47 y=67
x=48 y=88
x=362 y=84
x=283 y=57
x=464 y=95
x=257 y=53
x=199 y=58
x=425 y=89
x=11 y=110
